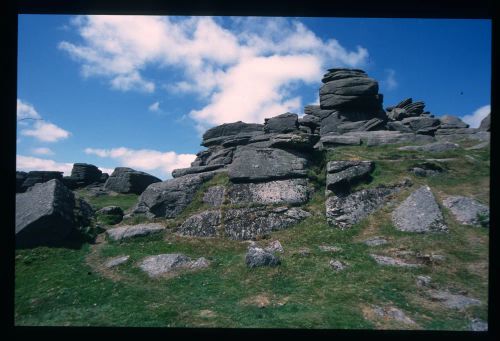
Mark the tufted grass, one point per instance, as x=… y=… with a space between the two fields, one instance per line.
x=66 y=287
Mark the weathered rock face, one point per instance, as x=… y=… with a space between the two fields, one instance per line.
x=168 y=198
x=159 y=265
x=342 y=174
x=204 y=224
x=248 y=223
x=86 y=173
x=128 y=180
x=284 y=123
x=231 y=134
x=348 y=209
x=291 y=191
x=44 y=214
x=485 y=124
x=264 y=164
x=129 y=231
x=419 y=213
x=214 y=196
x=20 y=177
x=468 y=211
x=196 y=169
x=35 y=177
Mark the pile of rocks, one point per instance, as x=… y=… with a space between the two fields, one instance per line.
x=84 y=174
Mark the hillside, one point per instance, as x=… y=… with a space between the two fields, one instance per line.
x=349 y=217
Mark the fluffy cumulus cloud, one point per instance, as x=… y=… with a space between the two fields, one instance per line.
x=240 y=68
x=145 y=159
x=474 y=120
x=46 y=132
x=41 y=130
x=30 y=163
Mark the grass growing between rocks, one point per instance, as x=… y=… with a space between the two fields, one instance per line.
x=125 y=201
x=56 y=286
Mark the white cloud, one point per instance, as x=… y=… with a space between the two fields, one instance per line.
x=155 y=107
x=26 y=111
x=106 y=170
x=145 y=159
x=46 y=132
x=240 y=67
x=30 y=163
x=474 y=120
x=42 y=151
x=390 y=82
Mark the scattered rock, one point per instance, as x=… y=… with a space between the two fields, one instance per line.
x=329 y=248
x=290 y=191
x=478 y=325
x=200 y=263
x=343 y=211
x=468 y=211
x=385 y=260
x=259 y=257
x=337 y=265
x=436 y=147
x=423 y=281
x=248 y=223
x=392 y=313
x=115 y=261
x=303 y=251
x=419 y=213
x=203 y=224
x=214 y=196
x=44 y=214
x=452 y=301
x=158 y=265
x=425 y=169
x=111 y=210
x=375 y=241
x=275 y=246
x=128 y=180
x=128 y=231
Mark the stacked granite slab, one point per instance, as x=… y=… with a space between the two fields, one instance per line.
x=84 y=174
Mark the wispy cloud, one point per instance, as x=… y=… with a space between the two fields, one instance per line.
x=26 y=110
x=240 y=67
x=145 y=159
x=30 y=163
x=390 y=82
x=42 y=151
x=46 y=132
x=474 y=120
x=155 y=107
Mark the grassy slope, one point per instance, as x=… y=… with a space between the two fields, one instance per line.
x=56 y=286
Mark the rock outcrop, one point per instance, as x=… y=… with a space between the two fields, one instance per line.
x=127 y=180
x=47 y=214
x=485 y=124
x=36 y=177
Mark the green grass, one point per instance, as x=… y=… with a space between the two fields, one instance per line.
x=125 y=201
x=56 y=286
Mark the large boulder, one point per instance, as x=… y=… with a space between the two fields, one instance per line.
x=85 y=174
x=451 y=122
x=284 y=123
x=168 y=198
x=237 y=132
x=128 y=180
x=35 y=177
x=485 y=123
x=251 y=222
x=290 y=191
x=468 y=211
x=129 y=231
x=342 y=174
x=170 y=263
x=264 y=164
x=257 y=256
x=345 y=210
x=419 y=213
x=44 y=214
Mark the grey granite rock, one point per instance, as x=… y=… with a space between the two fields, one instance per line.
x=478 y=325
x=193 y=170
x=284 y=123
x=203 y=224
x=275 y=246
x=251 y=165
x=229 y=129
x=129 y=231
x=375 y=241
x=351 y=86
x=467 y=210
x=342 y=174
x=419 y=213
x=256 y=257
x=44 y=214
x=169 y=198
x=392 y=313
x=337 y=265
x=111 y=210
x=436 y=147
x=290 y=191
x=422 y=125
x=390 y=261
x=158 y=265
x=85 y=174
x=127 y=180
x=485 y=124
x=214 y=196
x=251 y=222
x=451 y=122
x=423 y=281
x=37 y=177
x=115 y=261
x=299 y=141
x=452 y=301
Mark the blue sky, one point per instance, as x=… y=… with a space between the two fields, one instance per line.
x=139 y=91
